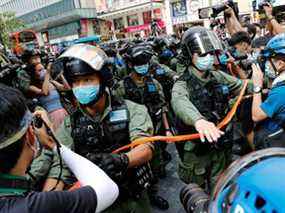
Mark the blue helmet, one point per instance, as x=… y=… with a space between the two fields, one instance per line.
x=275 y=47
x=251 y=184
x=166 y=54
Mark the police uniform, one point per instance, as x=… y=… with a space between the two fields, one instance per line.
x=195 y=98
x=165 y=76
x=122 y=122
x=23 y=80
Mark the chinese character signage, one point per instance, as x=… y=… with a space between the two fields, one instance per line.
x=179 y=8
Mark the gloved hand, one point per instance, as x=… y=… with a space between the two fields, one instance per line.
x=115 y=165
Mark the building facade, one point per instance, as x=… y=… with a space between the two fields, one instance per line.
x=57 y=20
x=129 y=17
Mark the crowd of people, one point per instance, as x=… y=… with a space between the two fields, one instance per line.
x=64 y=120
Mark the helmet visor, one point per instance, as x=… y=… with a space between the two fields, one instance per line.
x=93 y=56
x=204 y=42
x=141 y=57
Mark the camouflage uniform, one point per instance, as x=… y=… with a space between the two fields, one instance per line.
x=140 y=125
x=200 y=163
x=23 y=81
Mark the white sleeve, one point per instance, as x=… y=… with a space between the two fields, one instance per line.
x=88 y=174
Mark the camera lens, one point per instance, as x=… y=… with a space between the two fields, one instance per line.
x=194 y=199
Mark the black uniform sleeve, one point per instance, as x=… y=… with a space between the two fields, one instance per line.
x=81 y=200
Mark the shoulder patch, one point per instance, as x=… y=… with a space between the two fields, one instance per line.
x=119 y=115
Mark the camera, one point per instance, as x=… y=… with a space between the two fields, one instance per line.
x=194 y=199
x=213 y=12
x=278 y=9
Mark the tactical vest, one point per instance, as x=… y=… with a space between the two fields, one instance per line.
x=148 y=96
x=96 y=136
x=212 y=99
x=106 y=136
x=12 y=186
x=166 y=83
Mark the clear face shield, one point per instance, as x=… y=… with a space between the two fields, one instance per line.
x=93 y=56
x=204 y=43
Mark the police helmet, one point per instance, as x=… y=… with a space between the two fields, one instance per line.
x=253 y=183
x=200 y=40
x=84 y=59
x=139 y=54
x=275 y=47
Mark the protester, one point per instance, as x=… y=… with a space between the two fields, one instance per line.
x=20 y=141
x=270 y=113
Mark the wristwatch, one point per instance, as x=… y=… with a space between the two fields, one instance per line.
x=257 y=89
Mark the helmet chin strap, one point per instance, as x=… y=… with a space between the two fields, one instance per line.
x=274 y=67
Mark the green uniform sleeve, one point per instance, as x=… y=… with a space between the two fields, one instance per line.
x=180 y=68
x=182 y=106
x=232 y=82
x=235 y=84
x=23 y=80
x=168 y=72
x=140 y=122
x=63 y=134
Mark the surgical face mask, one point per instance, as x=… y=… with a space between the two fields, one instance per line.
x=269 y=72
x=205 y=63
x=86 y=94
x=142 y=70
x=42 y=74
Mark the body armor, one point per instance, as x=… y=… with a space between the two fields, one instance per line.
x=165 y=82
x=148 y=96
x=212 y=101
x=92 y=137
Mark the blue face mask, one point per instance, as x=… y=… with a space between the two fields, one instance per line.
x=205 y=63
x=269 y=72
x=42 y=74
x=86 y=94
x=142 y=70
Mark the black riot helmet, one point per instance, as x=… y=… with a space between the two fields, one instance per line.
x=139 y=54
x=200 y=40
x=84 y=59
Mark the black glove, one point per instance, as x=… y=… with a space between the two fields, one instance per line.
x=115 y=165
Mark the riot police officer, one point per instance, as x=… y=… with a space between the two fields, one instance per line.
x=200 y=99
x=103 y=123
x=142 y=88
